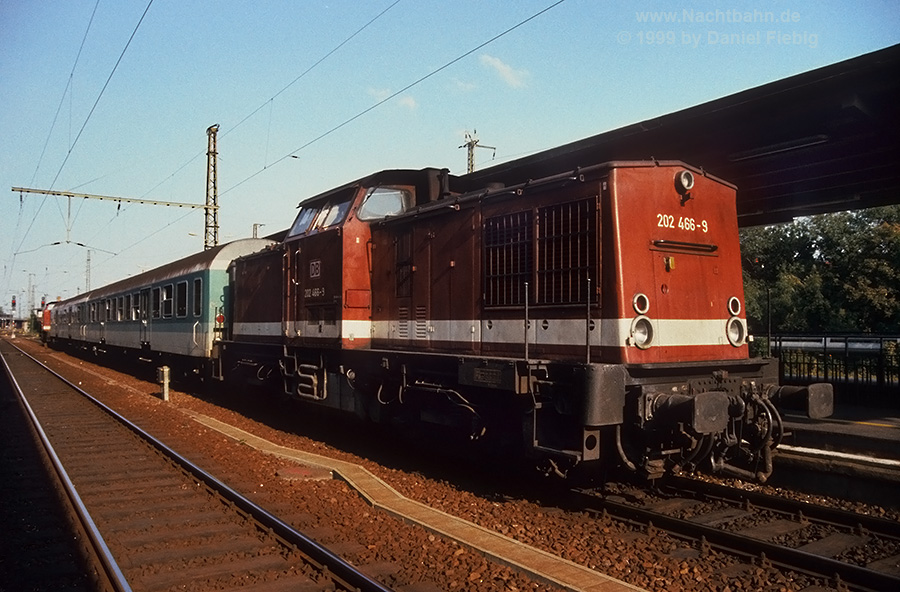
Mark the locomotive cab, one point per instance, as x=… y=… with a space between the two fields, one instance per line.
x=302 y=306
x=328 y=261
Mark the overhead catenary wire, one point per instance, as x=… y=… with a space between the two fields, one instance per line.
x=248 y=116
x=62 y=100
x=345 y=122
x=396 y=94
x=87 y=119
x=271 y=99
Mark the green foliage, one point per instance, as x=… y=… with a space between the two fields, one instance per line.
x=828 y=273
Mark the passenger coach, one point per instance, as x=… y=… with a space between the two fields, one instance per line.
x=172 y=314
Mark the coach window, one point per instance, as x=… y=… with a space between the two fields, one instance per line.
x=167 y=293
x=126 y=310
x=135 y=306
x=198 y=297
x=181 y=301
x=155 y=302
x=382 y=202
x=120 y=308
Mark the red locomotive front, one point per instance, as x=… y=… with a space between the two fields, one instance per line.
x=675 y=291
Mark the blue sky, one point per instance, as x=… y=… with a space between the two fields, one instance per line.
x=256 y=68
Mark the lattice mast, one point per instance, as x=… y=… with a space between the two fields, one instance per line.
x=471 y=143
x=211 y=228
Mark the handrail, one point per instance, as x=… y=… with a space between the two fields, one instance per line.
x=685 y=246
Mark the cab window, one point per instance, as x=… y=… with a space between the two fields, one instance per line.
x=333 y=213
x=304 y=219
x=382 y=202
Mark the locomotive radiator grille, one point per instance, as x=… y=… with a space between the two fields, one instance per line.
x=553 y=249
x=508 y=257
x=566 y=252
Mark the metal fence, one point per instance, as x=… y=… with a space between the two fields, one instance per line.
x=864 y=370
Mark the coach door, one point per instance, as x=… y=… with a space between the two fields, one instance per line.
x=145 y=316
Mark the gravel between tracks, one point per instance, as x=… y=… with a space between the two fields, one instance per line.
x=429 y=563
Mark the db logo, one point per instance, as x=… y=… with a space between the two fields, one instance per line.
x=315 y=268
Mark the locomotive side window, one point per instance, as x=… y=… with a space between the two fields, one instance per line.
x=155 y=302
x=382 y=202
x=181 y=300
x=198 y=297
x=167 y=293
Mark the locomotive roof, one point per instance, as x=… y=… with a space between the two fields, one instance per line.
x=385 y=177
x=216 y=258
x=497 y=190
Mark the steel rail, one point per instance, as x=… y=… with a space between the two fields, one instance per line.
x=337 y=566
x=111 y=572
x=833 y=516
x=857 y=577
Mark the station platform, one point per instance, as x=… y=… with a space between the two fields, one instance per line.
x=863 y=431
x=853 y=455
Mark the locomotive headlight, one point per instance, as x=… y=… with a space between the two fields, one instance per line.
x=641 y=332
x=735 y=332
x=734 y=306
x=684 y=182
x=641 y=303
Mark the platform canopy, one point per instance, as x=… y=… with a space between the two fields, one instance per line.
x=822 y=141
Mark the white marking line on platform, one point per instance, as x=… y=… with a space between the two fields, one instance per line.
x=841 y=455
x=379 y=494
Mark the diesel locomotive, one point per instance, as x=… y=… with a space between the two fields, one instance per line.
x=587 y=320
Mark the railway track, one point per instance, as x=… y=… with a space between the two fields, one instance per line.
x=41 y=545
x=164 y=523
x=848 y=550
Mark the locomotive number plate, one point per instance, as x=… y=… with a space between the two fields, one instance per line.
x=684 y=223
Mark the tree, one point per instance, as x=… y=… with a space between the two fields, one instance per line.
x=827 y=273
